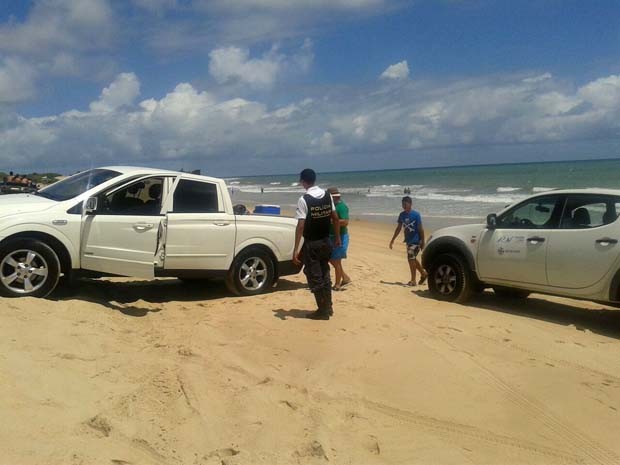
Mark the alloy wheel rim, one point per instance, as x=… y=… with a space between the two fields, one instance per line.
x=445 y=279
x=23 y=271
x=253 y=273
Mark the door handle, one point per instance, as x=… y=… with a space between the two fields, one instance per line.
x=221 y=224
x=605 y=241
x=142 y=226
x=535 y=240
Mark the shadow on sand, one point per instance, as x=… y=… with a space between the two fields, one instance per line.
x=602 y=321
x=119 y=295
x=294 y=313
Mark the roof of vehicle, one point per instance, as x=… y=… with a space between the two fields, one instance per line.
x=140 y=170
x=590 y=190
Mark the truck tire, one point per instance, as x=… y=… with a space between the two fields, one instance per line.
x=28 y=268
x=251 y=273
x=510 y=293
x=450 y=279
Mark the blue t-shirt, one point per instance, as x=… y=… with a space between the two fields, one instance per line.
x=411 y=223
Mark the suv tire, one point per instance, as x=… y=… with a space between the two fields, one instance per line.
x=28 y=268
x=251 y=273
x=510 y=293
x=449 y=279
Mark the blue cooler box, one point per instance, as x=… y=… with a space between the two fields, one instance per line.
x=267 y=209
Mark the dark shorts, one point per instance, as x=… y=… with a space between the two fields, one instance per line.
x=412 y=251
x=338 y=253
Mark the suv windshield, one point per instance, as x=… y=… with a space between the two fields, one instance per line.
x=77 y=184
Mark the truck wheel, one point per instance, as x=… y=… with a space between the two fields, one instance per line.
x=449 y=279
x=28 y=268
x=251 y=273
x=510 y=293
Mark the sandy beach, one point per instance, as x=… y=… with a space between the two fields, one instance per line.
x=122 y=371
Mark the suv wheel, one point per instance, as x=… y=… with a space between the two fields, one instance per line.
x=251 y=273
x=28 y=268
x=450 y=279
x=510 y=293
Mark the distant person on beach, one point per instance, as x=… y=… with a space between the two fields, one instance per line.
x=339 y=253
x=411 y=221
x=315 y=213
x=262 y=190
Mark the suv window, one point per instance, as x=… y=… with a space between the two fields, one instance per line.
x=195 y=197
x=589 y=211
x=138 y=198
x=536 y=213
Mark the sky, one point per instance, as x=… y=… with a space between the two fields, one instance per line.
x=247 y=87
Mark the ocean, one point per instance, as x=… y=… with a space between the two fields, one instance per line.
x=452 y=195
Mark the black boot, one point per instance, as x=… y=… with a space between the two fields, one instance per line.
x=327 y=299
x=322 y=313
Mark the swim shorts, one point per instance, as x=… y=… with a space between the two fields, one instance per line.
x=338 y=253
x=412 y=251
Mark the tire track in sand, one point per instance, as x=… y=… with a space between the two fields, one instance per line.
x=575 y=440
x=556 y=361
x=452 y=428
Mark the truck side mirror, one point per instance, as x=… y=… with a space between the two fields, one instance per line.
x=492 y=221
x=90 y=206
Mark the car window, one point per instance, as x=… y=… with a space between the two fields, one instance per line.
x=195 y=197
x=589 y=211
x=536 y=213
x=77 y=184
x=138 y=198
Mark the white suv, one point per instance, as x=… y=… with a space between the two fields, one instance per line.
x=562 y=242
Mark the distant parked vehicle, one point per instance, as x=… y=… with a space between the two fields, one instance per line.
x=562 y=242
x=127 y=221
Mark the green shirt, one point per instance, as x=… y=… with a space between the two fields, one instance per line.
x=343 y=214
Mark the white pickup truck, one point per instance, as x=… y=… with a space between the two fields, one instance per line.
x=143 y=222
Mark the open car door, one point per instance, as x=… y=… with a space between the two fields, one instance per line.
x=120 y=236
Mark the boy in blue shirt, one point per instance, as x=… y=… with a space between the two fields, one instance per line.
x=411 y=221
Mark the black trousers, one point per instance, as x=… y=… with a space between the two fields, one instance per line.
x=315 y=256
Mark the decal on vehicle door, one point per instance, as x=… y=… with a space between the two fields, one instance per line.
x=509 y=246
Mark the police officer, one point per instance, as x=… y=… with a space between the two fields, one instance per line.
x=315 y=213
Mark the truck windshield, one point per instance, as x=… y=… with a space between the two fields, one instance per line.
x=77 y=184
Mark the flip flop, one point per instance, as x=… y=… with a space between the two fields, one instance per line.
x=411 y=283
x=346 y=283
x=423 y=279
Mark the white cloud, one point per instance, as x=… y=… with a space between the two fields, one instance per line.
x=60 y=25
x=189 y=124
x=17 y=80
x=245 y=5
x=603 y=92
x=233 y=64
x=396 y=71
x=122 y=92
x=539 y=78
x=58 y=38
x=156 y=6
x=250 y=21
